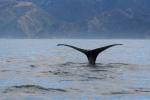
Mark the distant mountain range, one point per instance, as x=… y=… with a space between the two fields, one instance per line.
x=74 y=18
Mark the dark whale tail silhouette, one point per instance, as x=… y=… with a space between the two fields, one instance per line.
x=91 y=54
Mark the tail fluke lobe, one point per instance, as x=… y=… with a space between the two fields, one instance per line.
x=101 y=49
x=92 y=54
x=76 y=48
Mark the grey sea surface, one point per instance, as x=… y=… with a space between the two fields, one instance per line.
x=37 y=69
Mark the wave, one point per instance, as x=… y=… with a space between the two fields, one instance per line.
x=32 y=89
x=87 y=65
x=130 y=91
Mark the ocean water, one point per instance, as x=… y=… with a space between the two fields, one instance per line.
x=37 y=69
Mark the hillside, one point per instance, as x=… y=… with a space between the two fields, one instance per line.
x=23 y=19
x=75 y=18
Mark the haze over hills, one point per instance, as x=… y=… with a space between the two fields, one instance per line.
x=23 y=19
x=75 y=18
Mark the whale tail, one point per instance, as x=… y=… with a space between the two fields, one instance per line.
x=91 y=54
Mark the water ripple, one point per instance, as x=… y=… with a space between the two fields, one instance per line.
x=32 y=89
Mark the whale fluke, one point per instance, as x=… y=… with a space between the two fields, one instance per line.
x=91 y=54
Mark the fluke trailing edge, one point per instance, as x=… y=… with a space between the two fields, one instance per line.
x=91 y=54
